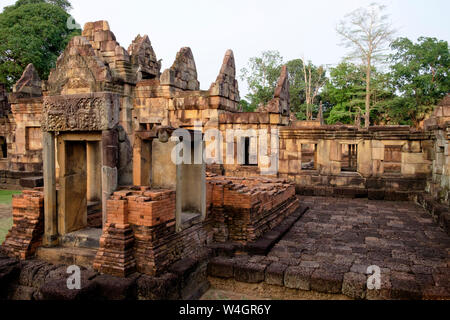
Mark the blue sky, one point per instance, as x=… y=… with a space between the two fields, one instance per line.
x=294 y=27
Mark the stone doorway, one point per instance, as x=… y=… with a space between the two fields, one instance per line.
x=80 y=192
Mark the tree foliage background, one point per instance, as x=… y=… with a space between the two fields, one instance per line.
x=262 y=73
x=404 y=90
x=32 y=31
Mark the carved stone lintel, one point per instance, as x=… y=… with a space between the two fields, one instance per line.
x=80 y=112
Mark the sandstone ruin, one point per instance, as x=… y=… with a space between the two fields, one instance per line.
x=92 y=146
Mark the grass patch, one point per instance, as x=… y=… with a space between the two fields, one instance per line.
x=6 y=196
x=5 y=225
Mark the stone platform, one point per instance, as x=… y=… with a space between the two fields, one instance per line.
x=330 y=248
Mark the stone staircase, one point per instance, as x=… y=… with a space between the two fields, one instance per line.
x=76 y=248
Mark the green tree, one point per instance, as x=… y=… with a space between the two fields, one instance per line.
x=367 y=32
x=419 y=72
x=305 y=80
x=261 y=75
x=32 y=31
x=345 y=90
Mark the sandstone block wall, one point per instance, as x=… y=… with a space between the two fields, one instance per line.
x=26 y=153
x=386 y=159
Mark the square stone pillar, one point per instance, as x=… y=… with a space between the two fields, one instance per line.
x=110 y=178
x=50 y=210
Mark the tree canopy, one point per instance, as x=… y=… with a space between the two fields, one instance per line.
x=32 y=31
x=419 y=72
x=262 y=73
x=367 y=32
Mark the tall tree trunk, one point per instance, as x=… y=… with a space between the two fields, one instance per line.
x=368 y=76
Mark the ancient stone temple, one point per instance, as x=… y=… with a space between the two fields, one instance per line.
x=93 y=146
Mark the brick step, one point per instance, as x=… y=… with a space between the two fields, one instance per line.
x=264 y=244
x=87 y=238
x=82 y=257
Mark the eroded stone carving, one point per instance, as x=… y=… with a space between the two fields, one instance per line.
x=183 y=73
x=226 y=84
x=90 y=112
x=78 y=70
x=29 y=85
x=143 y=58
x=281 y=99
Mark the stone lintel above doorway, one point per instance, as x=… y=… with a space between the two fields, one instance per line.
x=81 y=112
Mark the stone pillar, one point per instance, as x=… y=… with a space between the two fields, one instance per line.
x=110 y=146
x=50 y=212
x=93 y=172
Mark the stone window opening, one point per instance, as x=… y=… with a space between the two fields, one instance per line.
x=250 y=153
x=4 y=148
x=349 y=162
x=309 y=157
x=191 y=187
x=392 y=159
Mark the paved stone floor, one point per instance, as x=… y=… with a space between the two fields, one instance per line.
x=337 y=239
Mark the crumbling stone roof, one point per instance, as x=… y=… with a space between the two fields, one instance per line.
x=281 y=99
x=78 y=67
x=143 y=58
x=183 y=73
x=226 y=84
x=30 y=84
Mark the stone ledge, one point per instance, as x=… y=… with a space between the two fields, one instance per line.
x=356 y=193
x=439 y=212
x=39 y=280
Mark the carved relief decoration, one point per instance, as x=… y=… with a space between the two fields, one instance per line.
x=90 y=112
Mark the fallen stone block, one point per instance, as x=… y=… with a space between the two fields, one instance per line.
x=164 y=287
x=113 y=288
x=32 y=182
x=354 y=285
x=221 y=267
x=298 y=278
x=249 y=272
x=275 y=274
x=326 y=281
x=58 y=290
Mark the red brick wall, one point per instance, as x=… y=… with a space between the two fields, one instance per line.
x=244 y=208
x=28 y=225
x=141 y=233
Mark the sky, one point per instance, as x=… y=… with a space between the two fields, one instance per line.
x=296 y=28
